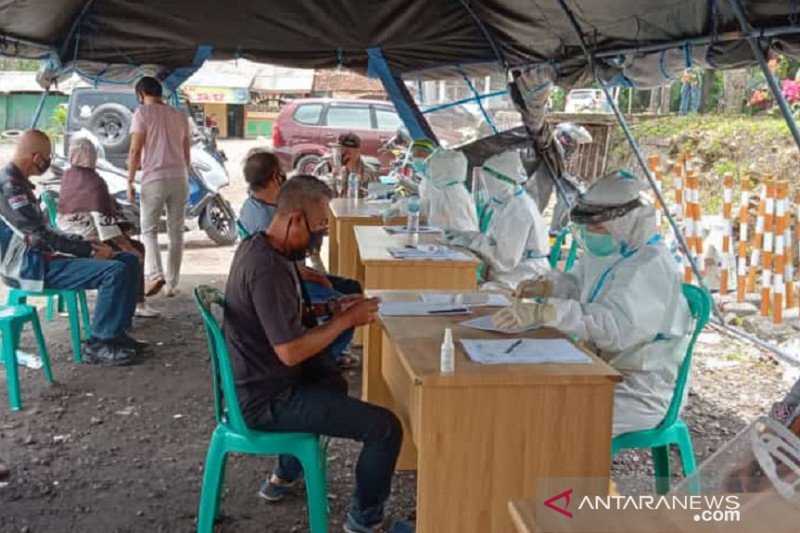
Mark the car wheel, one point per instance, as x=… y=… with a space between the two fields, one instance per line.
x=307 y=163
x=111 y=124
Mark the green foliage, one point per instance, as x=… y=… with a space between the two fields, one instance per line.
x=58 y=122
x=59 y=116
x=11 y=63
x=724 y=166
x=558 y=99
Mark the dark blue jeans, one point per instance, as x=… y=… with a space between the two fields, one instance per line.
x=320 y=294
x=116 y=281
x=324 y=408
x=693 y=93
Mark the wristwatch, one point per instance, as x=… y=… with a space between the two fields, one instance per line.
x=329 y=306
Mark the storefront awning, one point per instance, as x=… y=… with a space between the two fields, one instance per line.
x=216 y=95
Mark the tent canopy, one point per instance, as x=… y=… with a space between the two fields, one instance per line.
x=644 y=41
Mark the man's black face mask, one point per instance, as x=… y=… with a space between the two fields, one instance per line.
x=313 y=243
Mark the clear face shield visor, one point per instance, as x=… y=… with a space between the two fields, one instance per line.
x=589 y=226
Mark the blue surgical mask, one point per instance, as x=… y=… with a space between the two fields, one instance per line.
x=419 y=166
x=598 y=244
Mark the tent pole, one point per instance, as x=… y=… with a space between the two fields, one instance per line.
x=738 y=9
x=403 y=102
x=638 y=153
x=39 y=108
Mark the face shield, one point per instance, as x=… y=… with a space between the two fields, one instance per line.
x=420 y=153
x=594 y=227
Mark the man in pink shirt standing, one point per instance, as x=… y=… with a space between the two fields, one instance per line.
x=160 y=146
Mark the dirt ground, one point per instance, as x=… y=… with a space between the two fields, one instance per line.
x=122 y=449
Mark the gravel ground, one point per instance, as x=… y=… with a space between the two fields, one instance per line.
x=119 y=450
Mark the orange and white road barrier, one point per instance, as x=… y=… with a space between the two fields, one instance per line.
x=741 y=267
x=767 y=248
x=779 y=259
x=788 y=267
x=690 y=225
x=727 y=215
x=693 y=221
x=758 y=238
x=678 y=188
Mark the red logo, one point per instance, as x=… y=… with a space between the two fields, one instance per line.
x=563 y=510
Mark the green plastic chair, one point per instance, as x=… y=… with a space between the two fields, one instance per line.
x=555 y=251
x=233 y=436
x=50 y=206
x=12 y=320
x=53 y=301
x=240 y=229
x=672 y=430
x=77 y=306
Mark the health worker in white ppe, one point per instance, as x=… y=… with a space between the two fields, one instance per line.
x=445 y=199
x=624 y=297
x=515 y=246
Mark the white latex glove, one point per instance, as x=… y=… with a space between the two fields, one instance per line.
x=521 y=314
x=540 y=287
x=457 y=238
x=394 y=210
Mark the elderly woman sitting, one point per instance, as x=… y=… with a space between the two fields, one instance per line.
x=86 y=208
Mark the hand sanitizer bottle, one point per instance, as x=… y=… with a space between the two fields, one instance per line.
x=447 y=355
x=352 y=187
x=412 y=222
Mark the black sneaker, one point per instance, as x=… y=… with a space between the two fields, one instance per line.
x=272 y=492
x=126 y=341
x=106 y=353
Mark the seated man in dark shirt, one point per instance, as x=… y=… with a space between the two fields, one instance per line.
x=36 y=256
x=262 y=171
x=284 y=379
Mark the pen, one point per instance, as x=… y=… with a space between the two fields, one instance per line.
x=513 y=346
x=454 y=310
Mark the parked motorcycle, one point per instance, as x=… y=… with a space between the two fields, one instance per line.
x=206 y=177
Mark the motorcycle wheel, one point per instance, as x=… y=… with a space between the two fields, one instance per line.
x=307 y=163
x=220 y=222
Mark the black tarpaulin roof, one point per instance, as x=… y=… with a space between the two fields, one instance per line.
x=644 y=39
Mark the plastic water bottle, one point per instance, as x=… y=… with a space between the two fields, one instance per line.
x=352 y=186
x=412 y=223
x=447 y=355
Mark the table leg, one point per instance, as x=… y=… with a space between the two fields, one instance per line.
x=374 y=390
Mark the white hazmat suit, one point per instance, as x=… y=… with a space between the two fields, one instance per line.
x=446 y=201
x=628 y=304
x=515 y=246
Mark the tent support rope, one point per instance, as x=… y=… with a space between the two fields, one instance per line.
x=738 y=9
x=638 y=153
x=39 y=108
x=488 y=36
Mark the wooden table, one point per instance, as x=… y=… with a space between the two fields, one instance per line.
x=344 y=215
x=522 y=515
x=486 y=434
x=377 y=269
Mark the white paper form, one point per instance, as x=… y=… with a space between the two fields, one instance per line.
x=467 y=299
x=421 y=309
x=403 y=230
x=428 y=252
x=529 y=351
